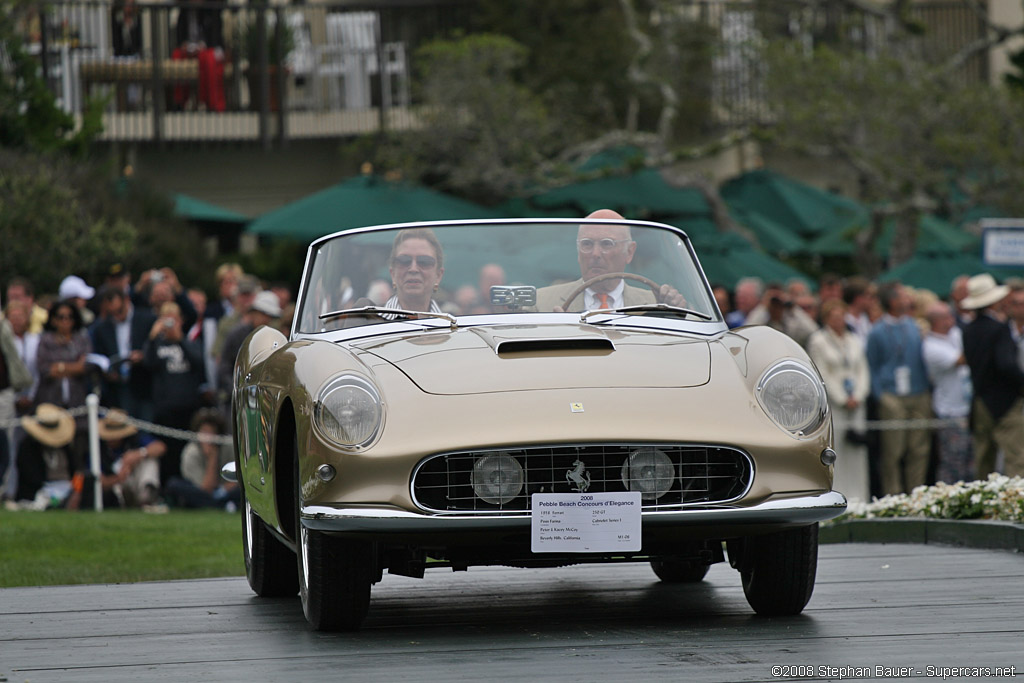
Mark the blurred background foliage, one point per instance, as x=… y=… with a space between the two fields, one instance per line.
x=513 y=104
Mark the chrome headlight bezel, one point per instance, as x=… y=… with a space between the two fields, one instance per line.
x=811 y=415
x=334 y=427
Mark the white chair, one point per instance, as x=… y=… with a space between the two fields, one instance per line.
x=347 y=61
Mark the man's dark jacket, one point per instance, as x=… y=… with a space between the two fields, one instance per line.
x=104 y=341
x=992 y=356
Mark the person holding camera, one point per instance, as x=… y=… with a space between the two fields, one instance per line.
x=177 y=368
x=778 y=311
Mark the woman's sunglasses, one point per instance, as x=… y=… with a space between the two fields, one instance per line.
x=404 y=261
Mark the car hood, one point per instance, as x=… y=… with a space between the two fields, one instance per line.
x=477 y=360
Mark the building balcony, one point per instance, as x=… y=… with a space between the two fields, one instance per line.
x=182 y=72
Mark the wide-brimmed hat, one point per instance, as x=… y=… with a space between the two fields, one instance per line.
x=983 y=291
x=267 y=302
x=51 y=425
x=115 y=425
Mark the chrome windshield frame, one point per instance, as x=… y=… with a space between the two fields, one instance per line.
x=707 y=328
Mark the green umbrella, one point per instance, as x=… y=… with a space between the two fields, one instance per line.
x=771 y=235
x=519 y=207
x=639 y=195
x=934 y=235
x=803 y=209
x=935 y=271
x=614 y=159
x=204 y=212
x=728 y=257
x=361 y=201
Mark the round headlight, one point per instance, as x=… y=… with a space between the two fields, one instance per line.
x=348 y=411
x=793 y=396
x=650 y=472
x=497 y=478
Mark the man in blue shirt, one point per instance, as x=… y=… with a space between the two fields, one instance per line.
x=899 y=382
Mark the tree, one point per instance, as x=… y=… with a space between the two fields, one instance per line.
x=29 y=115
x=60 y=212
x=60 y=216
x=575 y=60
x=483 y=132
x=911 y=129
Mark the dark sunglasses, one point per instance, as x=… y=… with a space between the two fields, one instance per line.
x=422 y=261
x=63 y=316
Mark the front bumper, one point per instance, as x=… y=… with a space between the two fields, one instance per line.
x=383 y=521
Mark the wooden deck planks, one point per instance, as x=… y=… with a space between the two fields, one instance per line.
x=873 y=605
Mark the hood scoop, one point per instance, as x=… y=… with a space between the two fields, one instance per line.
x=511 y=347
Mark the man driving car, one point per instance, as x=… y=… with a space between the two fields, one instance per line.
x=602 y=250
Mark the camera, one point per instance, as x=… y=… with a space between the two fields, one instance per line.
x=168 y=323
x=155 y=276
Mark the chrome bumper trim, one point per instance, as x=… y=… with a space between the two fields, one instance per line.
x=798 y=510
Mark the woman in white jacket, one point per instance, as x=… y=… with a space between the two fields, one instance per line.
x=840 y=358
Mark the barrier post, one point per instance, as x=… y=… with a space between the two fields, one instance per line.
x=92 y=402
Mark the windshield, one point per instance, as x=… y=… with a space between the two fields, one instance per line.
x=501 y=268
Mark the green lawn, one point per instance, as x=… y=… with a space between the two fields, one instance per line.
x=58 y=547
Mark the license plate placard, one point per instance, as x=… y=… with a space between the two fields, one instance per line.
x=585 y=522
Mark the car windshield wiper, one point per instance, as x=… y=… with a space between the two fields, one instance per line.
x=648 y=308
x=397 y=312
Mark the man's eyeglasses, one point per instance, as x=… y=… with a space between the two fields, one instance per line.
x=423 y=261
x=586 y=245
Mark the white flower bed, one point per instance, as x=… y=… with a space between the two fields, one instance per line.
x=999 y=498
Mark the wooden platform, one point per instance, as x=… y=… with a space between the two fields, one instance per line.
x=874 y=605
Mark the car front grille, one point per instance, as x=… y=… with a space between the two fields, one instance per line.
x=699 y=475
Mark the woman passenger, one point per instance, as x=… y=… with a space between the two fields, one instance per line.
x=416 y=267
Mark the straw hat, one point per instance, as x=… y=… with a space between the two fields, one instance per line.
x=115 y=425
x=982 y=291
x=51 y=425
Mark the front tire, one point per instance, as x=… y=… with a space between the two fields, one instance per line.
x=335 y=575
x=778 y=570
x=269 y=564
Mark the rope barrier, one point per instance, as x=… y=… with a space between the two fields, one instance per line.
x=221 y=439
x=141 y=425
x=923 y=423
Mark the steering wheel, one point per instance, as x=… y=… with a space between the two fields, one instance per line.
x=655 y=287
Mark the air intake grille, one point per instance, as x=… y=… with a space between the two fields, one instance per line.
x=698 y=475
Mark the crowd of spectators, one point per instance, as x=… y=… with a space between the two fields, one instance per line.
x=921 y=389
x=156 y=353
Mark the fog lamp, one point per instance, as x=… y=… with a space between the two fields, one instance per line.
x=650 y=472
x=497 y=478
x=326 y=472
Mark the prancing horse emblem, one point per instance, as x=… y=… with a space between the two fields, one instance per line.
x=579 y=476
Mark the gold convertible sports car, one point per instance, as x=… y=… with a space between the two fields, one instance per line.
x=531 y=393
